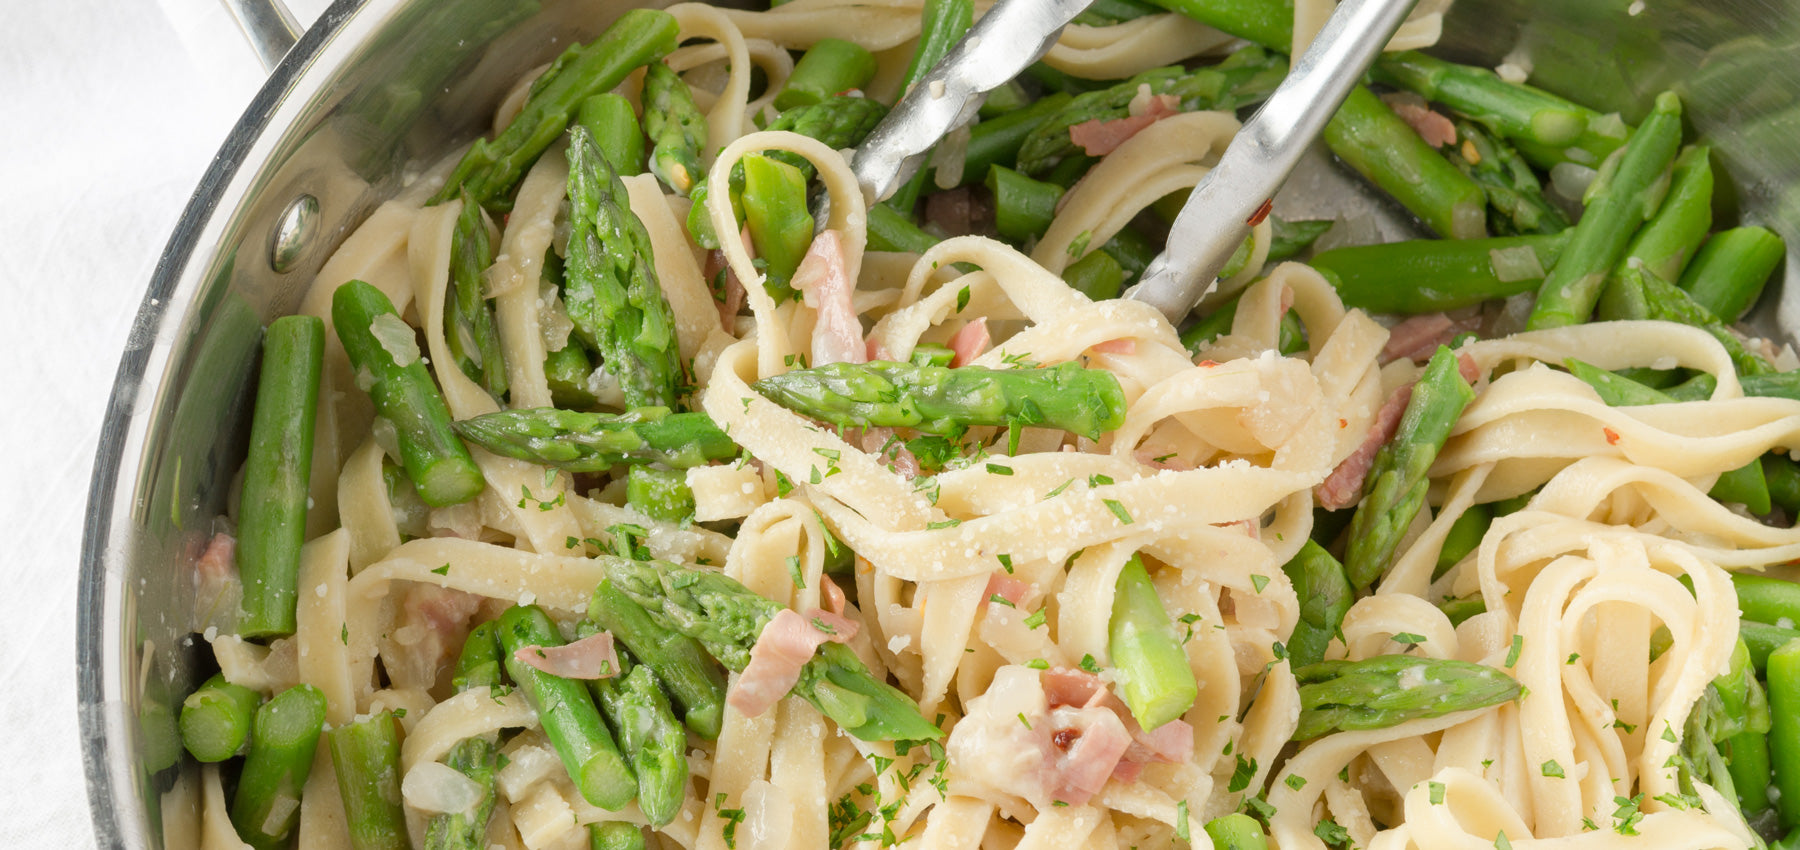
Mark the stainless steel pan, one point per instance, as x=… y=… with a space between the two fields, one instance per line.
x=377 y=84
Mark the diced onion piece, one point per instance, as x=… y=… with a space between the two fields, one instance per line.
x=1571 y=180
x=948 y=158
x=437 y=787
x=1516 y=263
x=396 y=336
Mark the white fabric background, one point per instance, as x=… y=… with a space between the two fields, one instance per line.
x=113 y=110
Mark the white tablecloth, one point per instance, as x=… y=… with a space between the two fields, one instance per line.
x=113 y=110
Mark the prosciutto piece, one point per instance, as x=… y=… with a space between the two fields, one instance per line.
x=592 y=657
x=824 y=282
x=784 y=646
x=1099 y=138
x=970 y=342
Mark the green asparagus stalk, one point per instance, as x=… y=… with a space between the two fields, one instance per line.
x=1387 y=690
x=676 y=127
x=1464 y=537
x=661 y=494
x=1290 y=238
x=1104 y=13
x=1512 y=188
x=1432 y=275
x=1763 y=639
x=1325 y=597
x=948 y=401
x=272 y=509
x=1236 y=831
x=1245 y=78
x=839 y=122
x=891 y=231
x=1461 y=608
x=610 y=284
x=1670 y=303
x=477 y=666
x=215 y=719
x=1396 y=484
x=1728 y=273
x=1672 y=236
x=567 y=713
x=726 y=618
x=932 y=354
x=1620 y=200
x=694 y=681
x=1767 y=600
x=1547 y=129
x=469 y=327
x=283 y=738
x=1783 y=476
x=1097 y=275
x=1784 y=730
x=381 y=345
x=596 y=442
x=1732 y=708
x=366 y=757
x=616 y=835
x=831 y=66
x=650 y=736
x=1218 y=323
x=491 y=169
x=1147 y=657
x=610 y=120
x=1269 y=23
x=1023 y=207
x=567 y=371
x=996 y=141
x=781 y=228
x=1368 y=136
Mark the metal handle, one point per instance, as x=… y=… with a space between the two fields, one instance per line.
x=270 y=28
x=1234 y=196
x=1012 y=35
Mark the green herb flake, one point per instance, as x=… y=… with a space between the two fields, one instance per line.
x=949 y=523
x=1436 y=789
x=1038 y=664
x=1512 y=655
x=793 y=565
x=1294 y=781
x=1241 y=774
x=1409 y=638
x=1035 y=620
x=1005 y=562
x=1552 y=769
x=1182 y=830
x=1259 y=582
x=1089 y=664
x=442 y=571
x=997 y=599
x=997 y=469
x=1119 y=511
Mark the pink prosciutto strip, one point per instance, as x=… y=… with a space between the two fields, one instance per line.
x=219 y=561
x=1343 y=487
x=1099 y=138
x=1008 y=588
x=784 y=646
x=970 y=342
x=592 y=657
x=1116 y=346
x=825 y=283
x=1087 y=744
x=1435 y=129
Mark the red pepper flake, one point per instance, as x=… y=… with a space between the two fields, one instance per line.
x=1207 y=364
x=1343 y=423
x=1261 y=213
x=1612 y=437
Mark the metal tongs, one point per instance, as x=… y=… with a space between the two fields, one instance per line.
x=1225 y=204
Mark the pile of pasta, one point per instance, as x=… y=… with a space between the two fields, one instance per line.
x=1210 y=479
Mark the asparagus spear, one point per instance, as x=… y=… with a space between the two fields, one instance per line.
x=477 y=666
x=610 y=284
x=272 y=509
x=1547 y=129
x=694 y=680
x=1289 y=238
x=1097 y=275
x=1325 y=596
x=468 y=320
x=1762 y=639
x=1269 y=23
x=1387 y=690
x=491 y=169
x=840 y=122
x=610 y=120
x=661 y=494
x=1108 y=12
x=774 y=204
x=1464 y=537
x=1150 y=665
x=366 y=758
x=1023 y=207
x=996 y=141
x=215 y=719
x=650 y=736
x=1461 y=608
x=1395 y=487
x=1512 y=188
x=891 y=231
x=381 y=345
x=948 y=401
x=616 y=835
x=1621 y=199
x=726 y=618
x=1670 y=238
x=1727 y=274
x=1236 y=831
x=1218 y=323
x=1370 y=138
x=831 y=66
x=1432 y=275
x=1245 y=78
x=283 y=739
x=596 y=442
x=676 y=127
x=1670 y=303
x=1784 y=730
x=567 y=713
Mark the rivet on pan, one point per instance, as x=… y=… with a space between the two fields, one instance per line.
x=299 y=223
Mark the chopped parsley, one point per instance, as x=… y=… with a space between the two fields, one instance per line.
x=1259 y=582
x=1436 y=789
x=1119 y=511
x=1552 y=769
x=1512 y=655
